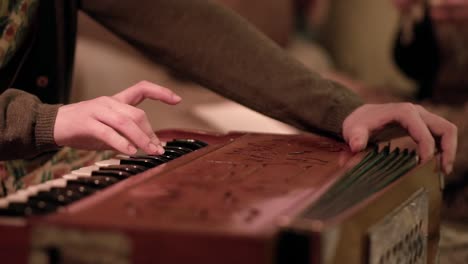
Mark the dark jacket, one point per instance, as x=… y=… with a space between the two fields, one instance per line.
x=47 y=69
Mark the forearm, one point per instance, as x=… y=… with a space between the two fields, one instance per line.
x=221 y=51
x=26 y=125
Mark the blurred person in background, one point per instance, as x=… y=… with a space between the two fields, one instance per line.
x=432 y=49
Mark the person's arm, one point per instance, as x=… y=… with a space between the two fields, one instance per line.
x=26 y=125
x=223 y=52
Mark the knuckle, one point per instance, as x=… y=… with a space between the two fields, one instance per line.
x=143 y=83
x=103 y=100
x=419 y=108
x=139 y=115
x=407 y=111
x=102 y=133
x=452 y=129
x=121 y=121
x=407 y=107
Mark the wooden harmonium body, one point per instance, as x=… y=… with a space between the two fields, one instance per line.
x=232 y=198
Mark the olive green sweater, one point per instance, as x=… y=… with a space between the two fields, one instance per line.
x=212 y=46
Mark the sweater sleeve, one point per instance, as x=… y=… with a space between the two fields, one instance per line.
x=26 y=125
x=223 y=52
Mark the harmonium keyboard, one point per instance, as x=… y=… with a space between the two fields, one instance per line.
x=232 y=198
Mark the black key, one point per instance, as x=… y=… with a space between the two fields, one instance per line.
x=173 y=152
x=181 y=150
x=6 y=212
x=16 y=210
x=81 y=189
x=67 y=192
x=156 y=159
x=57 y=196
x=21 y=209
x=38 y=206
x=98 y=182
x=168 y=155
x=132 y=169
x=187 y=143
x=163 y=158
x=119 y=175
x=145 y=162
x=51 y=200
x=191 y=140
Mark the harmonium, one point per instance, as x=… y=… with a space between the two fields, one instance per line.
x=232 y=198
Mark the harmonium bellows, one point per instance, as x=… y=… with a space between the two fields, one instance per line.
x=232 y=198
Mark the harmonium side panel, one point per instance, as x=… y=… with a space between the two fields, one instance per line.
x=223 y=206
x=14 y=241
x=396 y=220
x=400 y=224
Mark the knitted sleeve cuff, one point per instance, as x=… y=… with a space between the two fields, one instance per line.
x=44 y=130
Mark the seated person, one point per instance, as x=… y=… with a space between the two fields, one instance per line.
x=436 y=58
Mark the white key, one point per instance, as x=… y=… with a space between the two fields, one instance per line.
x=108 y=162
x=57 y=183
x=31 y=190
x=72 y=176
x=43 y=187
x=86 y=171
x=23 y=192
x=18 y=197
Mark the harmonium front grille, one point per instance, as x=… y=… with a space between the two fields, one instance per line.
x=232 y=198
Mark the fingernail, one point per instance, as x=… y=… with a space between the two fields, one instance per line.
x=356 y=144
x=175 y=97
x=449 y=169
x=131 y=149
x=153 y=148
x=160 y=150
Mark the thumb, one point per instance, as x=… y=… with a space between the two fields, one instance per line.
x=358 y=138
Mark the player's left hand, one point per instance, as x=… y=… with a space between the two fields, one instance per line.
x=423 y=126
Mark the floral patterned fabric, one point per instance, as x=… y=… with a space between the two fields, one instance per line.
x=19 y=174
x=16 y=17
